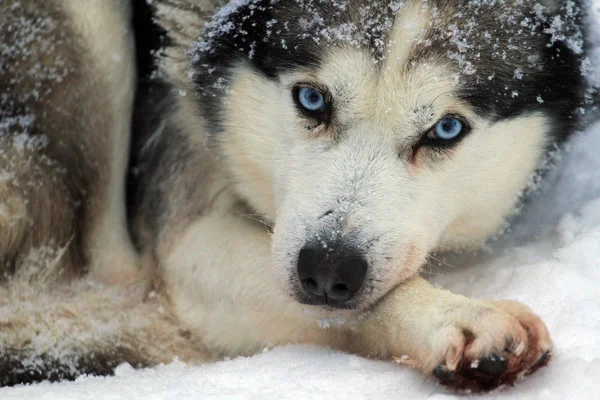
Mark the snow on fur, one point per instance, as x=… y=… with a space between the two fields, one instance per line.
x=548 y=260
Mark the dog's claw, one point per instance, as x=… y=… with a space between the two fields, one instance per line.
x=443 y=374
x=544 y=359
x=491 y=372
x=493 y=365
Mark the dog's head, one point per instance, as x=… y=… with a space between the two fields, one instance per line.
x=372 y=133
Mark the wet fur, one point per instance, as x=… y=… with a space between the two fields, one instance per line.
x=214 y=202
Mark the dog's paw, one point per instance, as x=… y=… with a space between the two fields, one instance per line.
x=483 y=345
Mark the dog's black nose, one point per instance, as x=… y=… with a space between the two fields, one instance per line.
x=331 y=275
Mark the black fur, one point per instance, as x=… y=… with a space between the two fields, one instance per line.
x=150 y=38
x=155 y=165
x=15 y=369
x=518 y=66
x=278 y=36
x=281 y=51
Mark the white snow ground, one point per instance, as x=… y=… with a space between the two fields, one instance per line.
x=550 y=260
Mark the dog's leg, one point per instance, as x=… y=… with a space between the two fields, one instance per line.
x=83 y=328
x=68 y=82
x=219 y=278
x=466 y=343
x=106 y=29
x=66 y=93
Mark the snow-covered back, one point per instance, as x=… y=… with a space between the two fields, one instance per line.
x=550 y=260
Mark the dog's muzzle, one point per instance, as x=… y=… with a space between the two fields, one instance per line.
x=331 y=275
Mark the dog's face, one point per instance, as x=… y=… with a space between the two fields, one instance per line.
x=370 y=145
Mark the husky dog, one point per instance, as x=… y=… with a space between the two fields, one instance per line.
x=203 y=179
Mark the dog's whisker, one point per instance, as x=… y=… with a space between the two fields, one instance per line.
x=441 y=261
x=256 y=218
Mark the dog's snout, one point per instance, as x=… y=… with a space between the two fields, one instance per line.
x=331 y=276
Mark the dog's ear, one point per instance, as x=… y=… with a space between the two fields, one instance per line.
x=184 y=19
x=182 y=22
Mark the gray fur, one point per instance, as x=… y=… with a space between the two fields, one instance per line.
x=47 y=147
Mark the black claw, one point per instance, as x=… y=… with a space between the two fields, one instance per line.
x=493 y=365
x=442 y=373
x=543 y=359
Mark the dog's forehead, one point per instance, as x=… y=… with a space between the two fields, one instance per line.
x=392 y=93
x=389 y=81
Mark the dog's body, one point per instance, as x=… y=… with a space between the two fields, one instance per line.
x=256 y=220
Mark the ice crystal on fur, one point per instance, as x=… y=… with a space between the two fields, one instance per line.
x=469 y=35
x=221 y=24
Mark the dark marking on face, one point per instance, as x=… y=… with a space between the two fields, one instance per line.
x=508 y=59
x=274 y=37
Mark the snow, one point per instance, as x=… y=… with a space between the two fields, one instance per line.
x=549 y=260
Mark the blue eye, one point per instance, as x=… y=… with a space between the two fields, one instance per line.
x=448 y=128
x=311 y=99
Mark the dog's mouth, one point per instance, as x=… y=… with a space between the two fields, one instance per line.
x=325 y=302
